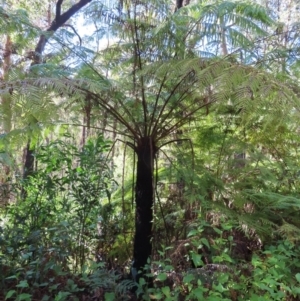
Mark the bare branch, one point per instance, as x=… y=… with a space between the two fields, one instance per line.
x=179 y=4
x=58 y=10
x=60 y=20
x=73 y=28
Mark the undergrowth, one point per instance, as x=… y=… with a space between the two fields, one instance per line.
x=64 y=242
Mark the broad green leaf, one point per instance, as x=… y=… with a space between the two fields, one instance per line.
x=9 y=294
x=162 y=276
x=23 y=283
x=193 y=233
x=62 y=296
x=198 y=293
x=166 y=291
x=24 y=296
x=109 y=296
x=197 y=259
x=205 y=242
x=188 y=278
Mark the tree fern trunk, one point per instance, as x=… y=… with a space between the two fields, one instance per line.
x=144 y=199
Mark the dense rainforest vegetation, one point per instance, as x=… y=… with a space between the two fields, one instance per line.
x=149 y=150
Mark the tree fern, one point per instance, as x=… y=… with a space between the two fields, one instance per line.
x=156 y=82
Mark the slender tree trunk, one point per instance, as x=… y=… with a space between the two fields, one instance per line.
x=144 y=199
x=6 y=101
x=114 y=137
x=28 y=166
x=223 y=37
x=86 y=121
x=29 y=161
x=83 y=135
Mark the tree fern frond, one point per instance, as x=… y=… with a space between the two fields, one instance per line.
x=289 y=231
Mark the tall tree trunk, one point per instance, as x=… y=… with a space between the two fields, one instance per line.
x=6 y=101
x=29 y=161
x=86 y=121
x=28 y=166
x=144 y=200
x=223 y=37
x=59 y=21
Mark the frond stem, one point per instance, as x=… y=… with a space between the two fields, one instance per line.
x=156 y=101
x=166 y=102
x=184 y=120
x=103 y=103
x=138 y=55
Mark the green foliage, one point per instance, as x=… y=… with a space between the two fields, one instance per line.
x=54 y=230
x=206 y=73
x=270 y=275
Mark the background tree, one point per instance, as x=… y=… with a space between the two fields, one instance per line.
x=59 y=20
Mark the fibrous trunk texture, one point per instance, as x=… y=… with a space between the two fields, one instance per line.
x=144 y=200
